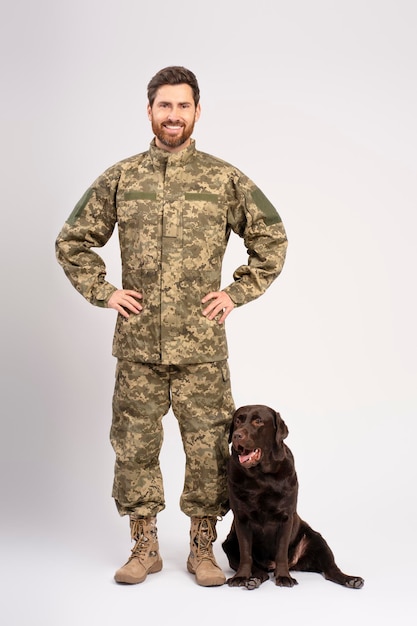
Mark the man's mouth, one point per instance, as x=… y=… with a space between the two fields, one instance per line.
x=173 y=127
x=249 y=458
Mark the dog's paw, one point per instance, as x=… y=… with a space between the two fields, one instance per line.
x=238 y=581
x=285 y=581
x=253 y=583
x=356 y=582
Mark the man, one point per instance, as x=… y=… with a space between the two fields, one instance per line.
x=175 y=208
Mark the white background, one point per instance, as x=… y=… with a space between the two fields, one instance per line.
x=313 y=100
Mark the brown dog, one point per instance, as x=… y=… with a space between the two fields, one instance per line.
x=267 y=535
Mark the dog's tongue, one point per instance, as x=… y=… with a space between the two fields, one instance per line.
x=246 y=458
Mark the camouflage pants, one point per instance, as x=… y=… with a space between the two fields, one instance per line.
x=201 y=401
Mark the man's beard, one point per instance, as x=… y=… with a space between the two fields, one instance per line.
x=170 y=141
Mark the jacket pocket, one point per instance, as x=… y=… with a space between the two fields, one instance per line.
x=139 y=220
x=204 y=224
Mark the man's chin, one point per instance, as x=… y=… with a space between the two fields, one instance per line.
x=172 y=142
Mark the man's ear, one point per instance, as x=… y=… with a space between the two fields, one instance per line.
x=197 y=112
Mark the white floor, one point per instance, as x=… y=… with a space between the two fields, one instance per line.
x=61 y=574
x=61 y=541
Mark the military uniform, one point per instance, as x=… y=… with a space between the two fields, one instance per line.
x=175 y=213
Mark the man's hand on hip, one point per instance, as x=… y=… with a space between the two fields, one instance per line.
x=124 y=300
x=219 y=302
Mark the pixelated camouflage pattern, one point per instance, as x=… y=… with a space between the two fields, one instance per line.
x=175 y=213
x=202 y=402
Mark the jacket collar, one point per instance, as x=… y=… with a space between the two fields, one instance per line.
x=163 y=157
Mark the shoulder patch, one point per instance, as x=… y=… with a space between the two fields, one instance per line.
x=79 y=207
x=266 y=207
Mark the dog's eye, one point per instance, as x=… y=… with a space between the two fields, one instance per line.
x=258 y=421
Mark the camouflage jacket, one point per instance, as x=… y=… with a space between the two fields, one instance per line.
x=175 y=213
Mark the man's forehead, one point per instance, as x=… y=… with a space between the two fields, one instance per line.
x=175 y=93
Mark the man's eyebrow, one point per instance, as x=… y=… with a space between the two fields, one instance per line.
x=180 y=103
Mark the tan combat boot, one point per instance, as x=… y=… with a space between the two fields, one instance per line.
x=201 y=560
x=145 y=558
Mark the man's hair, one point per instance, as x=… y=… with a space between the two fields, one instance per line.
x=173 y=75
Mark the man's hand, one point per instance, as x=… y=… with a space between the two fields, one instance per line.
x=220 y=302
x=123 y=299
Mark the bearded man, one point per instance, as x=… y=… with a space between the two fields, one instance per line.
x=175 y=208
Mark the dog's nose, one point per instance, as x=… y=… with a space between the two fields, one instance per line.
x=238 y=434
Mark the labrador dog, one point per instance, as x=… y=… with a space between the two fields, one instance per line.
x=267 y=535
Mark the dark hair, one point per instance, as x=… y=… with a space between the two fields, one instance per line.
x=173 y=75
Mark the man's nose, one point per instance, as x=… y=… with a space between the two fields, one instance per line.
x=175 y=113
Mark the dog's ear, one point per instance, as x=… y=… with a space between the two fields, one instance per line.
x=232 y=427
x=281 y=432
x=282 y=429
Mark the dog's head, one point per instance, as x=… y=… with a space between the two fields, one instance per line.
x=256 y=434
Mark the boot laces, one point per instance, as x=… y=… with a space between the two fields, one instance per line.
x=204 y=538
x=140 y=548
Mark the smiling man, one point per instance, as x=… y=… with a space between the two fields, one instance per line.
x=173 y=114
x=175 y=208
